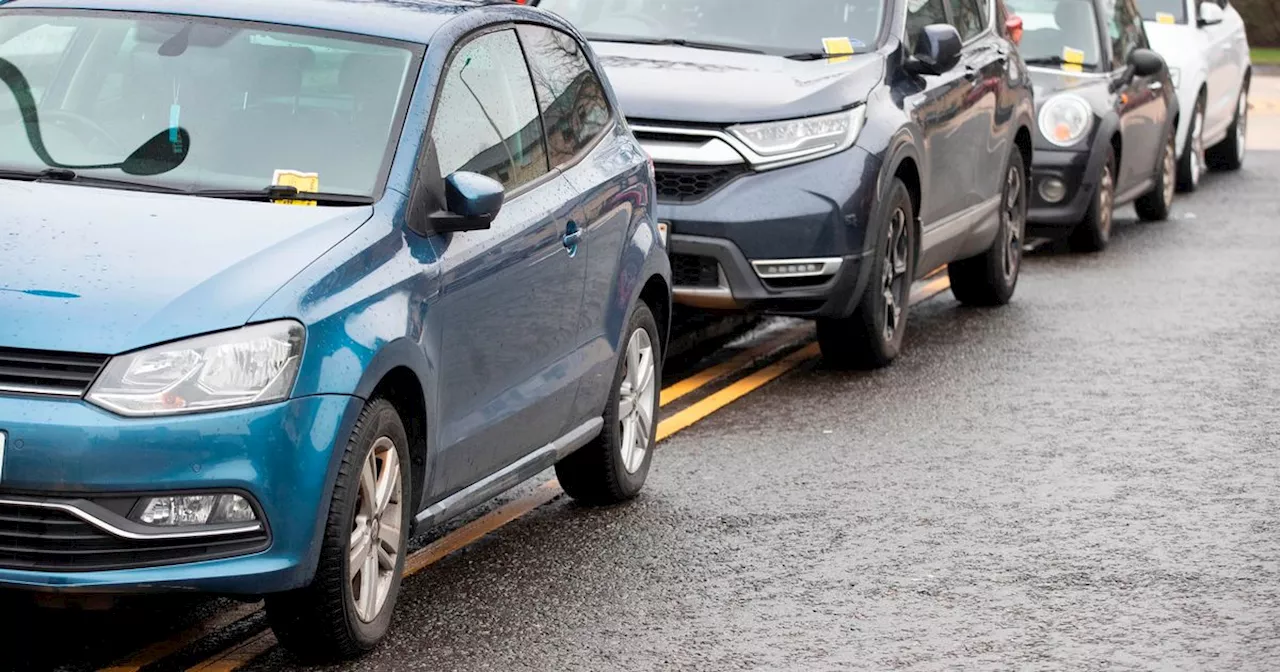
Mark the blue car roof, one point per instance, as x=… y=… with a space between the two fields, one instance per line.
x=408 y=20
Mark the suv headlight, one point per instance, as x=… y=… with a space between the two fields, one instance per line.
x=1065 y=119
x=779 y=142
x=256 y=364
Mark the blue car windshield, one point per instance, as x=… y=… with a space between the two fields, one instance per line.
x=771 y=26
x=256 y=102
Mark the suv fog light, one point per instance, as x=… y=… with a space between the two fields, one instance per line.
x=796 y=268
x=183 y=510
x=1052 y=190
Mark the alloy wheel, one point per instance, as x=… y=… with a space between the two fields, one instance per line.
x=376 y=539
x=1014 y=215
x=1170 y=170
x=894 y=280
x=1106 y=201
x=1242 y=124
x=1197 y=148
x=636 y=400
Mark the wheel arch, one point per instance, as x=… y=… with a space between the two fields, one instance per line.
x=656 y=294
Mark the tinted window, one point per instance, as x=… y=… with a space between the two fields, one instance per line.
x=970 y=18
x=574 y=107
x=1125 y=28
x=1163 y=11
x=774 y=26
x=921 y=13
x=254 y=98
x=1058 y=31
x=487 y=120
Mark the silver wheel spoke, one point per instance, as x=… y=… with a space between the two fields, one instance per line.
x=389 y=536
x=636 y=397
x=626 y=406
x=387 y=480
x=368 y=486
x=357 y=548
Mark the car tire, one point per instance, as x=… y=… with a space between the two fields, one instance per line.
x=1155 y=205
x=990 y=278
x=613 y=467
x=1093 y=233
x=343 y=614
x=1192 y=164
x=1229 y=154
x=872 y=336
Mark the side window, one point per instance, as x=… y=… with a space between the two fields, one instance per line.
x=1125 y=30
x=970 y=17
x=487 y=118
x=921 y=13
x=570 y=94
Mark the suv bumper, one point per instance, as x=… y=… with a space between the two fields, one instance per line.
x=815 y=213
x=66 y=456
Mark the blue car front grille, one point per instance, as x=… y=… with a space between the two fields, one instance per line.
x=49 y=373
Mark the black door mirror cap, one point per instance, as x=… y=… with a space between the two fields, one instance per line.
x=472 y=202
x=1146 y=63
x=937 y=50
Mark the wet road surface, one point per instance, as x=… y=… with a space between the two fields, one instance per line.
x=1086 y=479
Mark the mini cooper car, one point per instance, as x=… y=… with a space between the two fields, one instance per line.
x=286 y=281
x=1208 y=55
x=814 y=157
x=1106 y=115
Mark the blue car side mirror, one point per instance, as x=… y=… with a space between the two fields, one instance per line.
x=472 y=202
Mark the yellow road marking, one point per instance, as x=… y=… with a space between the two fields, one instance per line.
x=239 y=655
x=181 y=640
x=478 y=528
x=732 y=393
x=736 y=363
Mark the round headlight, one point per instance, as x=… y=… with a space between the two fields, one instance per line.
x=1065 y=119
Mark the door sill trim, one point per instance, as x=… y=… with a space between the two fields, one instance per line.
x=514 y=474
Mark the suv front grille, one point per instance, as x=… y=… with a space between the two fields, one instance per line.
x=55 y=373
x=52 y=540
x=691 y=270
x=684 y=184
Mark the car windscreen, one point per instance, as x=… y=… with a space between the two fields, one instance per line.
x=1163 y=11
x=1059 y=33
x=770 y=26
x=255 y=100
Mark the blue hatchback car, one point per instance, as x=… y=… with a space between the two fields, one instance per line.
x=283 y=281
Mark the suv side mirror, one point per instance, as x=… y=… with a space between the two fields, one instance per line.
x=937 y=50
x=472 y=202
x=1211 y=14
x=1146 y=63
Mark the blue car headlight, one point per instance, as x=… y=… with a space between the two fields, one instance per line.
x=776 y=143
x=252 y=365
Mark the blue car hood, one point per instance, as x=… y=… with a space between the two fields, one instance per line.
x=682 y=84
x=106 y=271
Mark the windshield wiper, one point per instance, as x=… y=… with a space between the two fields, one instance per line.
x=675 y=42
x=1056 y=61
x=68 y=175
x=284 y=193
x=817 y=56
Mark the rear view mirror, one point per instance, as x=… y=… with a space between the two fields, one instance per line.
x=472 y=202
x=937 y=50
x=1146 y=63
x=1211 y=14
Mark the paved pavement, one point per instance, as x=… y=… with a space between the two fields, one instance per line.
x=1086 y=479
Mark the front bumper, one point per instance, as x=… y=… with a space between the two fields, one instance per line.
x=1075 y=170
x=815 y=211
x=282 y=456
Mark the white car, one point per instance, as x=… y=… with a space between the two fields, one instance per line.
x=1205 y=46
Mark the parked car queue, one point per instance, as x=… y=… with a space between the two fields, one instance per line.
x=292 y=353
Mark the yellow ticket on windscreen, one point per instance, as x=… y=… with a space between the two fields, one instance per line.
x=299 y=180
x=1075 y=56
x=1162 y=17
x=837 y=49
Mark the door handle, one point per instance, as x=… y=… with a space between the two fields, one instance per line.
x=572 y=238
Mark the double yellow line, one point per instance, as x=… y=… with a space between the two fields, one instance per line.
x=240 y=654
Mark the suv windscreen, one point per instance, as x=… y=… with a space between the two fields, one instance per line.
x=1163 y=11
x=769 y=26
x=253 y=99
x=1059 y=33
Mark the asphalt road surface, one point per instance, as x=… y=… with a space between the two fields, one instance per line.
x=1086 y=479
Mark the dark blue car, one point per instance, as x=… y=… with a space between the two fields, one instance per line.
x=283 y=281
